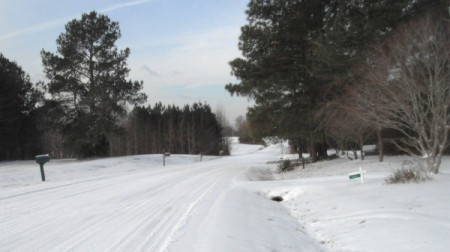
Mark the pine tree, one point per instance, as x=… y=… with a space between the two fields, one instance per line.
x=88 y=80
x=278 y=68
x=18 y=100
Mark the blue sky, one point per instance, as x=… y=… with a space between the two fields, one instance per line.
x=179 y=48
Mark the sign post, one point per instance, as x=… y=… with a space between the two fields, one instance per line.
x=358 y=174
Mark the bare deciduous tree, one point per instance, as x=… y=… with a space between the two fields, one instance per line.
x=226 y=129
x=243 y=130
x=345 y=126
x=221 y=118
x=407 y=87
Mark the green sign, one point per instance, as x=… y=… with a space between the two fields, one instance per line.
x=358 y=175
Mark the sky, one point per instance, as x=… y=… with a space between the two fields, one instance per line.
x=180 y=49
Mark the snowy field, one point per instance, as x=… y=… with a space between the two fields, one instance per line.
x=219 y=204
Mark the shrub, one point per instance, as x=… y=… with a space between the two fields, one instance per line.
x=256 y=174
x=285 y=166
x=411 y=171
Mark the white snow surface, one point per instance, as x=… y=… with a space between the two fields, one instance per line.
x=219 y=204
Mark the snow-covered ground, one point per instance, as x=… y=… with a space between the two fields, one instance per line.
x=219 y=204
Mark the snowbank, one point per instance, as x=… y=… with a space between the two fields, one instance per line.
x=345 y=215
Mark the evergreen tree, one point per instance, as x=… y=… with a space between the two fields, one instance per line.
x=18 y=99
x=277 y=70
x=351 y=28
x=88 y=80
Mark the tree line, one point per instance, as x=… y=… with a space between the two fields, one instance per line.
x=82 y=111
x=338 y=74
x=188 y=130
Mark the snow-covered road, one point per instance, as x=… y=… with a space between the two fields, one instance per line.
x=185 y=206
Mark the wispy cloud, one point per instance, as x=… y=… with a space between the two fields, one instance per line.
x=150 y=71
x=61 y=21
x=124 y=5
x=35 y=28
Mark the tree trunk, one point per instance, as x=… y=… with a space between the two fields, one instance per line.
x=361 y=147
x=433 y=163
x=317 y=150
x=434 y=159
x=312 y=149
x=300 y=154
x=348 y=156
x=110 y=147
x=380 y=145
x=322 y=151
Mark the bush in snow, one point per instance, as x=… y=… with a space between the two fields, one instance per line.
x=411 y=171
x=256 y=174
x=285 y=166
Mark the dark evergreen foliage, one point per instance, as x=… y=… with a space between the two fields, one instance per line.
x=88 y=81
x=279 y=70
x=18 y=99
x=190 y=130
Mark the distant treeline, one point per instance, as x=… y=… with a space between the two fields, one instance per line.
x=188 y=130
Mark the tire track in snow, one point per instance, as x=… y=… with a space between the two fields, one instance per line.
x=142 y=210
x=183 y=219
x=175 y=224
x=159 y=236
x=34 y=213
x=134 y=211
x=50 y=188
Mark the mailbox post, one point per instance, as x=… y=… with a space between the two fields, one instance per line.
x=165 y=154
x=41 y=160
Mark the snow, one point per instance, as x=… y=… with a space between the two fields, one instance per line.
x=135 y=203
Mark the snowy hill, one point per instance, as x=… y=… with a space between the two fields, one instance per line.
x=219 y=204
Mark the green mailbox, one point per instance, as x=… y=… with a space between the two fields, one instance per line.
x=41 y=160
